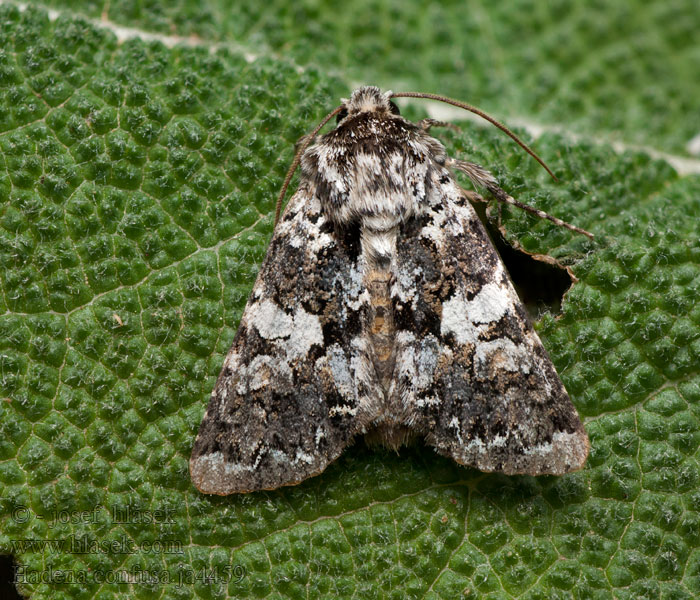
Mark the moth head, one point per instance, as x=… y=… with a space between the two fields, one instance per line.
x=367 y=99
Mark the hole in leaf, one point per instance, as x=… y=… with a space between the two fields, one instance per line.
x=540 y=285
x=8 y=591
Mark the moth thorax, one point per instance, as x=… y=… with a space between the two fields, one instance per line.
x=370 y=200
x=379 y=245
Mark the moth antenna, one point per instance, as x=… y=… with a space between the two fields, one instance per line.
x=483 y=115
x=297 y=160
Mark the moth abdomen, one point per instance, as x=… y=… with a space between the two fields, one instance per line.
x=382 y=324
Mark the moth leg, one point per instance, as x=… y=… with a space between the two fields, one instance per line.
x=426 y=124
x=481 y=177
x=473 y=196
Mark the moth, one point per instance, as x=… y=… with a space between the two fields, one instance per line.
x=382 y=308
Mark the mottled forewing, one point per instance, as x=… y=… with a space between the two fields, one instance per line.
x=471 y=373
x=287 y=399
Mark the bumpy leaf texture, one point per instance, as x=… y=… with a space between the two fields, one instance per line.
x=136 y=187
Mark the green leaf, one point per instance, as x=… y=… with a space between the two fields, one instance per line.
x=137 y=185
